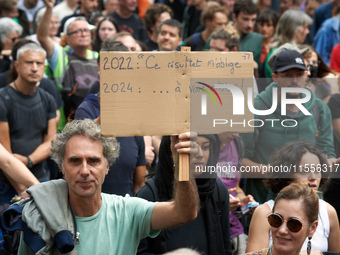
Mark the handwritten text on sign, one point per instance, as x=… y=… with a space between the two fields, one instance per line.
x=149 y=93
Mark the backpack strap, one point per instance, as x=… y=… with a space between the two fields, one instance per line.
x=8 y=101
x=196 y=39
x=152 y=185
x=44 y=101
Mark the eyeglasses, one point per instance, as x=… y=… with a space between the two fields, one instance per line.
x=275 y=220
x=79 y=31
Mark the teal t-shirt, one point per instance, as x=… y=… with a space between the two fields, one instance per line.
x=115 y=229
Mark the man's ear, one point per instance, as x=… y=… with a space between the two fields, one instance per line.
x=62 y=170
x=274 y=76
x=312 y=229
x=107 y=168
x=180 y=41
x=16 y=65
x=67 y=40
x=233 y=17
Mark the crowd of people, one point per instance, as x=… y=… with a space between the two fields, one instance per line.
x=73 y=191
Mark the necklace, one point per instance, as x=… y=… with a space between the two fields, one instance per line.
x=16 y=88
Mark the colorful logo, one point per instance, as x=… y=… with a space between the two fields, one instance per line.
x=204 y=99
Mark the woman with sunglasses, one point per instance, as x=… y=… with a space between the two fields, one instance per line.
x=293 y=219
x=300 y=158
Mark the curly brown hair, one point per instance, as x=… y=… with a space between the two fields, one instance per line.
x=290 y=156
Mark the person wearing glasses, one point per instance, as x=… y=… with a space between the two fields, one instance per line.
x=302 y=159
x=73 y=67
x=293 y=219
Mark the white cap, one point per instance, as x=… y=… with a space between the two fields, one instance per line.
x=70 y=21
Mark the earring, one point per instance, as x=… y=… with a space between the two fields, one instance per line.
x=309 y=246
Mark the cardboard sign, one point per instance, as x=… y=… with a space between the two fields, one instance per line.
x=165 y=93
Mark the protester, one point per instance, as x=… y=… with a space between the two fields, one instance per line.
x=266 y=24
x=128 y=20
x=98 y=222
x=289 y=71
x=106 y=29
x=88 y=9
x=224 y=40
x=155 y=15
x=327 y=37
x=191 y=17
x=27 y=117
x=30 y=8
x=302 y=157
x=74 y=67
x=209 y=233
x=244 y=17
x=9 y=33
x=291 y=220
x=213 y=17
x=322 y=81
x=292 y=27
x=127 y=39
x=170 y=34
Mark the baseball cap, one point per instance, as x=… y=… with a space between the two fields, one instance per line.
x=286 y=46
x=289 y=59
x=71 y=20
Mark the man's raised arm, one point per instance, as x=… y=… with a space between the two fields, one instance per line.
x=186 y=204
x=42 y=32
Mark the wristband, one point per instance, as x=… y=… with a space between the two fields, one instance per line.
x=29 y=162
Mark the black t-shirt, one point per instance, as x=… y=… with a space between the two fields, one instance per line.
x=133 y=25
x=27 y=117
x=151 y=45
x=194 y=21
x=195 y=41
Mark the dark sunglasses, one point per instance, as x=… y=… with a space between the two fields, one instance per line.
x=275 y=220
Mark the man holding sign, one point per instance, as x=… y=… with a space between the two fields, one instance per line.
x=76 y=210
